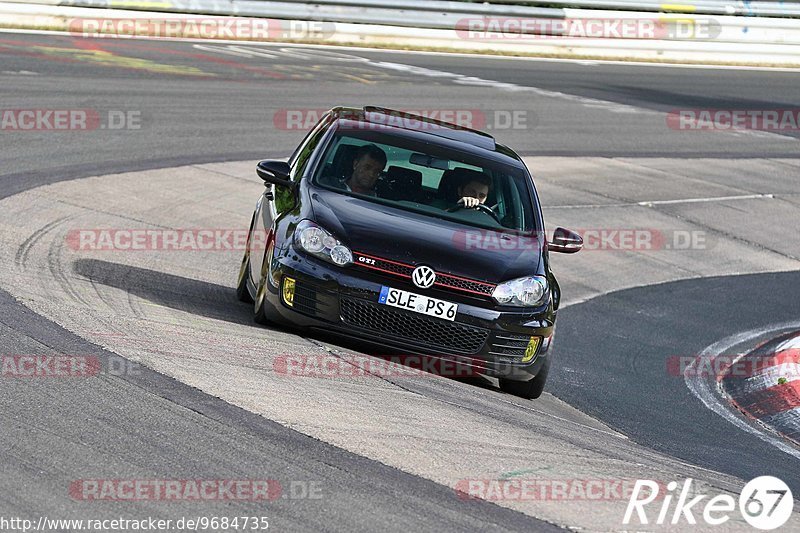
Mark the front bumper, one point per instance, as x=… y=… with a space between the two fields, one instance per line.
x=344 y=301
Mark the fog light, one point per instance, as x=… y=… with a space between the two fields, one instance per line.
x=530 y=351
x=288 y=292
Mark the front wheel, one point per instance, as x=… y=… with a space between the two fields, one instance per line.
x=244 y=270
x=527 y=389
x=260 y=315
x=242 y=292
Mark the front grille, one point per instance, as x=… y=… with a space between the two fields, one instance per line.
x=509 y=345
x=443 y=280
x=394 y=268
x=447 y=336
x=453 y=282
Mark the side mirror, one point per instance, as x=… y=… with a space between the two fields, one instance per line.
x=275 y=172
x=565 y=241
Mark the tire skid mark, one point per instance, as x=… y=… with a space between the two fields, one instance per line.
x=56 y=266
x=21 y=258
x=133 y=305
x=94 y=285
x=99 y=294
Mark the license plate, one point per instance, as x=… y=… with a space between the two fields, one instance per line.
x=424 y=305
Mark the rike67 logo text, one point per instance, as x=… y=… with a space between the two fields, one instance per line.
x=765 y=503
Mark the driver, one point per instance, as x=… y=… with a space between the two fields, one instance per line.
x=474 y=192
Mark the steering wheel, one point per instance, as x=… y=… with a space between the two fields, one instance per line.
x=480 y=207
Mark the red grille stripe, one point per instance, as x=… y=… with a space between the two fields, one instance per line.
x=441 y=277
x=385 y=260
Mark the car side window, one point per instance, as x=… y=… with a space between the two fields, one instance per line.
x=321 y=125
x=284 y=199
x=300 y=162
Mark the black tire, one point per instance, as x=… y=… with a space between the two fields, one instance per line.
x=527 y=389
x=260 y=316
x=242 y=293
x=244 y=270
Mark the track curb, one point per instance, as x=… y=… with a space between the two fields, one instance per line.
x=764 y=385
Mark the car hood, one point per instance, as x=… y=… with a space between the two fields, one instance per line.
x=415 y=239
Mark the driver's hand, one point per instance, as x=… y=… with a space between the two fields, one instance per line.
x=469 y=202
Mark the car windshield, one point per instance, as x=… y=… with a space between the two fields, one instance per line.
x=428 y=179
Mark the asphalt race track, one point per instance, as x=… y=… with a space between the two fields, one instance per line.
x=204 y=401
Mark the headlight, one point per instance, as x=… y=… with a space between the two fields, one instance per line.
x=319 y=243
x=522 y=292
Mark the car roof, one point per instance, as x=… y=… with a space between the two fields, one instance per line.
x=429 y=130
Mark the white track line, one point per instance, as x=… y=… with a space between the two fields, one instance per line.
x=789 y=344
x=651 y=203
x=581 y=62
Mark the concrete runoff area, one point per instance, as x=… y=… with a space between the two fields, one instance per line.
x=175 y=312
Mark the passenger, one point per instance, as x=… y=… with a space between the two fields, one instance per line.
x=368 y=164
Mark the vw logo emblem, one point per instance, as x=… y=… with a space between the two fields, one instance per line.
x=423 y=277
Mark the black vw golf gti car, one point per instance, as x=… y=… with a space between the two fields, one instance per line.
x=412 y=234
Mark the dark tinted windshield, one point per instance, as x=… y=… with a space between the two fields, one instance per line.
x=428 y=179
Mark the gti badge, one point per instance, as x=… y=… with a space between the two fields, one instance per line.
x=423 y=277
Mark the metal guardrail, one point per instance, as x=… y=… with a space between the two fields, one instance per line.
x=453 y=15
x=441 y=13
x=516 y=7
x=404 y=13
x=736 y=39
x=777 y=8
x=438 y=13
